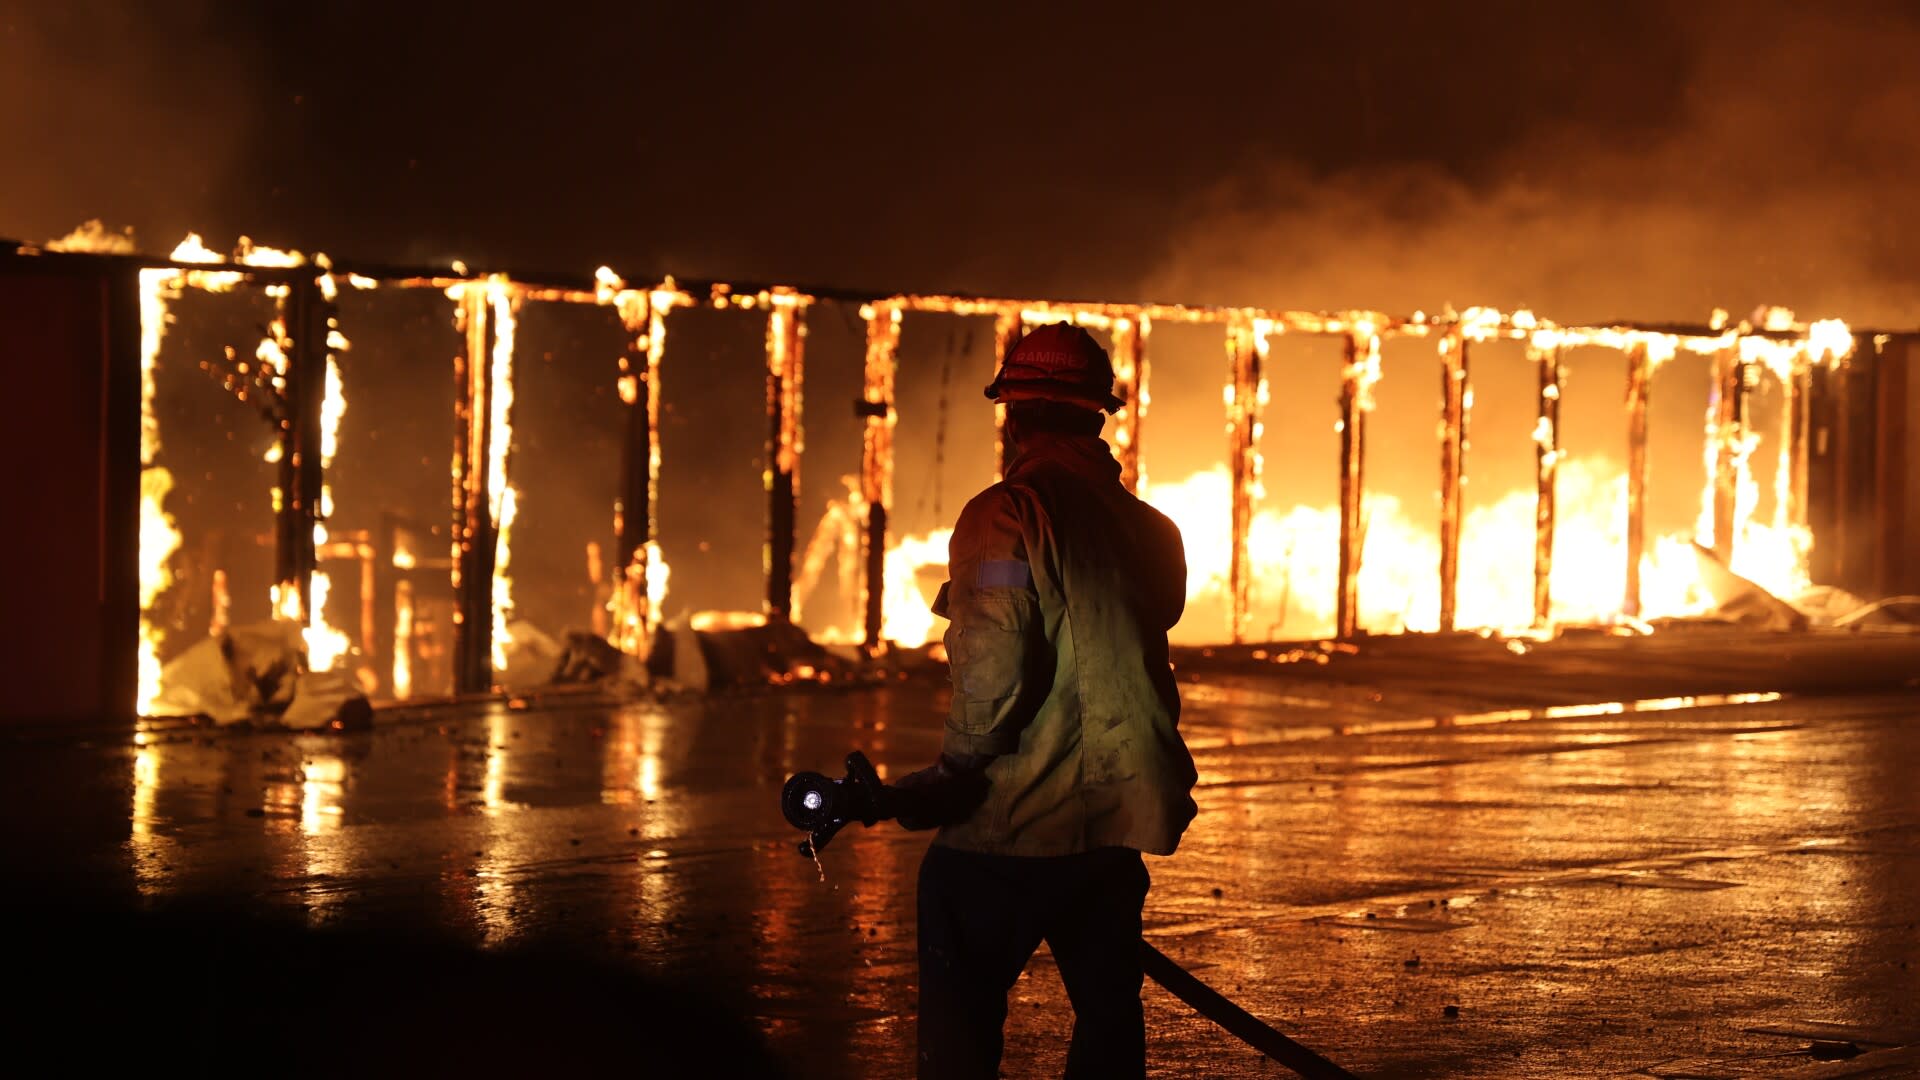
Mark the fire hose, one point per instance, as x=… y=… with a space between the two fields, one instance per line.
x=821 y=806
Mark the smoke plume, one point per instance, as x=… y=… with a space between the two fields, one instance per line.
x=104 y=115
x=1779 y=180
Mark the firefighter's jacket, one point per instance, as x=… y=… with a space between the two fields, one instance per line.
x=1061 y=589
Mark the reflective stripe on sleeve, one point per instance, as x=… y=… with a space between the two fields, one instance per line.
x=1003 y=573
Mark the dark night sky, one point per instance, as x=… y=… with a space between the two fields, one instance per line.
x=1206 y=152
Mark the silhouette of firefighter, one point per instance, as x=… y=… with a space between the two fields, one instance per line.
x=1062 y=761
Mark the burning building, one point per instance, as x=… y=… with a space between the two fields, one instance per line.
x=1794 y=481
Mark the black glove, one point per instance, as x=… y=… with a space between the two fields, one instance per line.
x=944 y=793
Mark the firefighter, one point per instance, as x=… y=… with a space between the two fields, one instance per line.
x=1062 y=760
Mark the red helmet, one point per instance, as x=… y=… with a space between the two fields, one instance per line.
x=1057 y=362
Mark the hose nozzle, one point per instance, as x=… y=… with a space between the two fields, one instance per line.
x=822 y=806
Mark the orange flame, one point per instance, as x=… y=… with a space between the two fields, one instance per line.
x=501 y=493
x=1294 y=551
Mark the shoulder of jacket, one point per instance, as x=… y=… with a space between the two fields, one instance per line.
x=1003 y=495
x=1154 y=514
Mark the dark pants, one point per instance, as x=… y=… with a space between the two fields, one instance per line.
x=981 y=918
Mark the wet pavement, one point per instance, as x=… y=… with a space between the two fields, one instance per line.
x=1425 y=859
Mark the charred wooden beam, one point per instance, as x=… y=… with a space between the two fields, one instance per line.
x=633 y=511
x=786 y=337
x=474 y=531
x=1858 y=452
x=1893 y=551
x=1240 y=469
x=1842 y=489
x=876 y=462
x=1546 y=449
x=1130 y=385
x=1639 y=379
x=302 y=322
x=636 y=528
x=1456 y=396
x=1825 y=477
x=1360 y=370
x=1797 y=424
x=1726 y=431
x=1245 y=352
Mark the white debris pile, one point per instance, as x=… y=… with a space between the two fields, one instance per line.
x=1740 y=600
x=532 y=658
x=258 y=673
x=590 y=658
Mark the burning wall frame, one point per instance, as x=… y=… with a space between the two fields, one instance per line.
x=1793 y=352
x=1828 y=406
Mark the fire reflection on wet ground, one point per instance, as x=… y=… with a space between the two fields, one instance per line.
x=1589 y=889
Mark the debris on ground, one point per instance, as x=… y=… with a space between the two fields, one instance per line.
x=590 y=658
x=729 y=650
x=327 y=699
x=257 y=673
x=235 y=675
x=1889 y=613
x=1740 y=600
x=532 y=657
